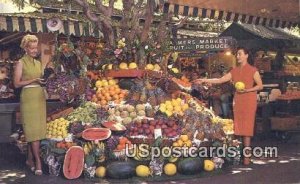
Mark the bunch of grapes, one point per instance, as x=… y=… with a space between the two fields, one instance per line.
x=76 y=128
x=102 y=114
x=62 y=85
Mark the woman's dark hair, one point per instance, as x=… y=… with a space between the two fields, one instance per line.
x=247 y=51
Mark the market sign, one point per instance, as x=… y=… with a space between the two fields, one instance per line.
x=211 y=44
x=191 y=54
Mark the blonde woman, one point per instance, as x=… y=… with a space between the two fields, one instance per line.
x=28 y=73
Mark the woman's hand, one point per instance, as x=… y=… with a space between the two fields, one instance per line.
x=40 y=81
x=243 y=91
x=198 y=81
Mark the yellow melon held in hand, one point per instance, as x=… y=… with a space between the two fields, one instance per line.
x=239 y=86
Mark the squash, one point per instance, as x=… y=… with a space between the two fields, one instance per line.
x=189 y=166
x=121 y=170
x=73 y=162
x=92 y=134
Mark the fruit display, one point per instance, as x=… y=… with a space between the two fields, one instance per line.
x=57 y=129
x=147 y=110
x=146 y=127
x=126 y=113
x=174 y=106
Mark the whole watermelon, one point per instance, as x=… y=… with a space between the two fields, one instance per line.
x=189 y=166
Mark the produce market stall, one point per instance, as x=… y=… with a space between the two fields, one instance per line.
x=134 y=116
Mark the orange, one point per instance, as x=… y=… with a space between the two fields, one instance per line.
x=108 y=98
x=116 y=97
x=103 y=102
x=121 y=95
x=112 y=92
x=117 y=91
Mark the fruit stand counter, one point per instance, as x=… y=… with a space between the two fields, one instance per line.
x=8 y=117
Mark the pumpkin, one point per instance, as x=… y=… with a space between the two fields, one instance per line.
x=121 y=170
x=189 y=166
x=73 y=162
x=93 y=134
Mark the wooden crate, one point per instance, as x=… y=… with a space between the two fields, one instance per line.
x=285 y=123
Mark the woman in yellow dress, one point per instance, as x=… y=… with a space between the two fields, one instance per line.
x=28 y=73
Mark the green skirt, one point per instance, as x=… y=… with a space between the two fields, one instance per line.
x=33 y=113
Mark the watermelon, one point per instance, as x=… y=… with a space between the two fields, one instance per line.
x=73 y=162
x=189 y=166
x=93 y=134
x=121 y=170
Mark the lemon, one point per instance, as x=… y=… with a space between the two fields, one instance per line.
x=177 y=109
x=162 y=109
x=169 y=113
x=111 y=82
x=168 y=102
x=163 y=105
x=169 y=107
x=142 y=171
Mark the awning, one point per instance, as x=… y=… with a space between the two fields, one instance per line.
x=275 y=13
x=261 y=37
x=37 y=23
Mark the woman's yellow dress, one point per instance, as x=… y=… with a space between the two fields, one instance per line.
x=33 y=101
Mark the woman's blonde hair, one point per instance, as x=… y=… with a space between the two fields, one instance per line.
x=27 y=39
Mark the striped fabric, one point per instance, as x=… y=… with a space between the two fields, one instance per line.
x=36 y=25
x=223 y=15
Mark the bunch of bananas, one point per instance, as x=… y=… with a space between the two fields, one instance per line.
x=95 y=149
